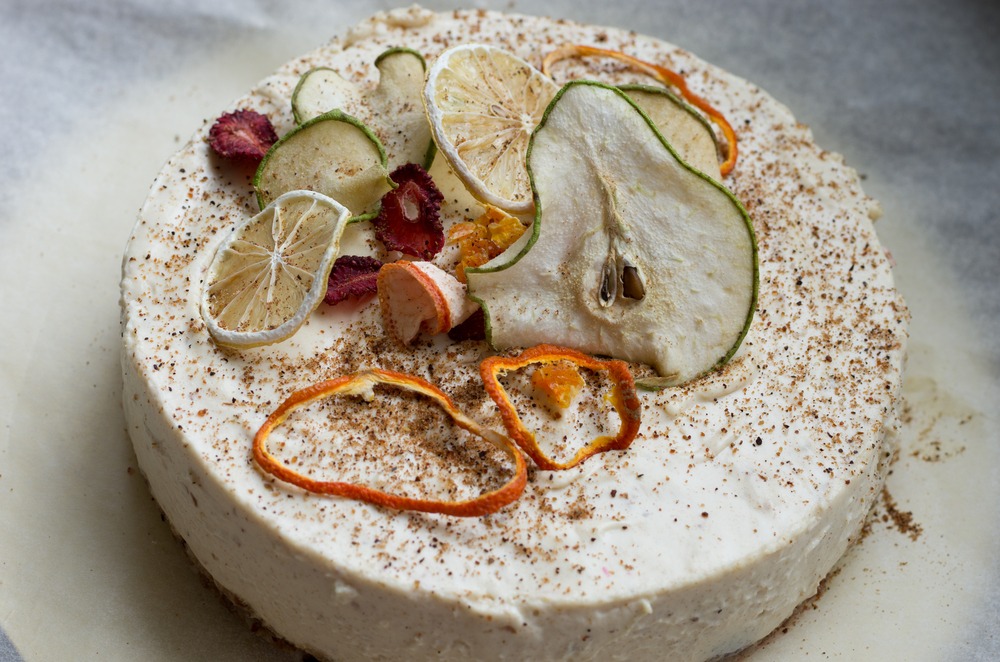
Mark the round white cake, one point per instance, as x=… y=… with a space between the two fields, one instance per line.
x=740 y=493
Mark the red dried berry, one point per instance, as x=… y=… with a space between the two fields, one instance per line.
x=244 y=135
x=473 y=328
x=352 y=276
x=410 y=220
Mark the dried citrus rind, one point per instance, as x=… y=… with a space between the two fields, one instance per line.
x=393 y=109
x=362 y=384
x=623 y=398
x=272 y=270
x=663 y=75
x=335 y=154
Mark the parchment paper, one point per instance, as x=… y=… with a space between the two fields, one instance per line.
x=96 y=96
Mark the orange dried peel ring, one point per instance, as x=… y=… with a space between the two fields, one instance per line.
x=663 y=75
x=362 y=384
x=623 y=397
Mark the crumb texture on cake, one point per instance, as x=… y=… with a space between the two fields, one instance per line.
x=741 y=492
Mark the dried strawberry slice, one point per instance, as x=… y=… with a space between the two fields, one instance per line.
x=352 y=276
x=243 y=135
x=410 y=221
x=473 y=328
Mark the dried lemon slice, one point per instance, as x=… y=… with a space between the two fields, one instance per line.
x=482 y=104
x=272 y=270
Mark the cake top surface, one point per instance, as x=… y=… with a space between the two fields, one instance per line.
x=732 y=465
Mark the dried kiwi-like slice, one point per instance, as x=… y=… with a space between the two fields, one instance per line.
x=394 y=109
x=334 y=154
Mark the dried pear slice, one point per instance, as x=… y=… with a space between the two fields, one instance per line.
x=633 y=253
x=334 y=154
x=687 y=132
x=394 y=109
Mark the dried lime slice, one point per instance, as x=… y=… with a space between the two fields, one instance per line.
x=393 y=109
x=687 y=132
x=482 y=104
x=334 y=154
x=633 y=253
x=272 y=270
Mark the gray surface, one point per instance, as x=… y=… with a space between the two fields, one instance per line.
x=7 y=651
x=907 y=90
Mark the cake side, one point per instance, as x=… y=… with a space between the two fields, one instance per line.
x=739 y=496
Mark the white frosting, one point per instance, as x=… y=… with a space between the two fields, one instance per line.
x=739 y=495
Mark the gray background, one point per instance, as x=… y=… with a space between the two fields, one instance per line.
x=907 y=90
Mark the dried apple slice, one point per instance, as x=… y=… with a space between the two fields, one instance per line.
x=686 y=131
x=418 y=296
x=393 y=109
x=334 y=154
x=633 y=253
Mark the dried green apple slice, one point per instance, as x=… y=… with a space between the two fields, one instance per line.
x=687 y=132
x=633 y=253
x=394 y=109
x=334 y=154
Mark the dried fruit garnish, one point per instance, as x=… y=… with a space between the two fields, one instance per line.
x=418 y=296
x=623 y=398
x=557 y=383
x=663 y=75
x=410 y=221
x=482 y=240
x=362 y=384
x=352 y=276
x=243 y=135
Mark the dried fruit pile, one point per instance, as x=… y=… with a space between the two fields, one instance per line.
x=606 y=230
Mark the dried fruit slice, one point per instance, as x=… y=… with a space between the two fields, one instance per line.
x=418 y=296
x=665 y=76
x=271 y=271
x=482 y=240
x=410 y=218
x=352 y=277
x=623 y=398
x=362 y=384
x=393 y=109
x=482 y=104
x=243 y=135
x=557 y=384
x=686 y=131
x=633 y=253
x=334 y=154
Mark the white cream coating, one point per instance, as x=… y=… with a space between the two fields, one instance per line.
x=695 y=542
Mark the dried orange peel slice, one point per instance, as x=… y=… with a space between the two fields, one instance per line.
x=623 y=397
x=664 y=76
x=362 y=384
